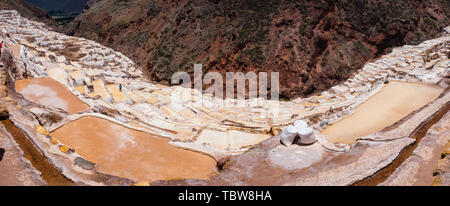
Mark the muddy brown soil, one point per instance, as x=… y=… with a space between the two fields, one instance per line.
x=50 y=174
x=418 y=134
x=15 y=170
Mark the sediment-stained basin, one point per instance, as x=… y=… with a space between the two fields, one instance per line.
x=132 y=154
x=394 y=102
x=15 y=50
x=50 y=93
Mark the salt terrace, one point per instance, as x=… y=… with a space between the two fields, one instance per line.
x=243 y=138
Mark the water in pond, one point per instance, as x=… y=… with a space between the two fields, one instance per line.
x=15 y=50
x=132 y=154
x=394 y=102
x=50 y=93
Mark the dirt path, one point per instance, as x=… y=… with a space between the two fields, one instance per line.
x=37 y=159
x=14 y=169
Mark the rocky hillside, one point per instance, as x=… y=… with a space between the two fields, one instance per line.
x=313 y=44
x=27 y=10
x=67 y=6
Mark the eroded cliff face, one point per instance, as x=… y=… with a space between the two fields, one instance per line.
x=313 y=44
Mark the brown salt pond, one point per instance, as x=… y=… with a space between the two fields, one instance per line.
x=50 y=93
x=132 y=154
x=394 y=102
x=15 y=50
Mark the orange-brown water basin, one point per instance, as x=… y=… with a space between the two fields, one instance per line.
x=50 y=93
x=132 y=154
x=394 y=102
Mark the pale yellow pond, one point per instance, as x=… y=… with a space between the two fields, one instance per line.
x=394 y=102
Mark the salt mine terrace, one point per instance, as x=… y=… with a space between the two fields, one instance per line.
x=394 y=102
x=63 y=94
x=50 y=93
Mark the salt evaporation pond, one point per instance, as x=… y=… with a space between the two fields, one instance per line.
x=50 y=93
x=128 y=153
x=394 y=102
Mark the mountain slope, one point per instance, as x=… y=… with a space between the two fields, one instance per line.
x=27 y=10
x=313 y=44
x=68 y=6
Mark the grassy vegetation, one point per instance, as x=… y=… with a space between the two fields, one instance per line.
x=62 y=18
x=360 y=48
